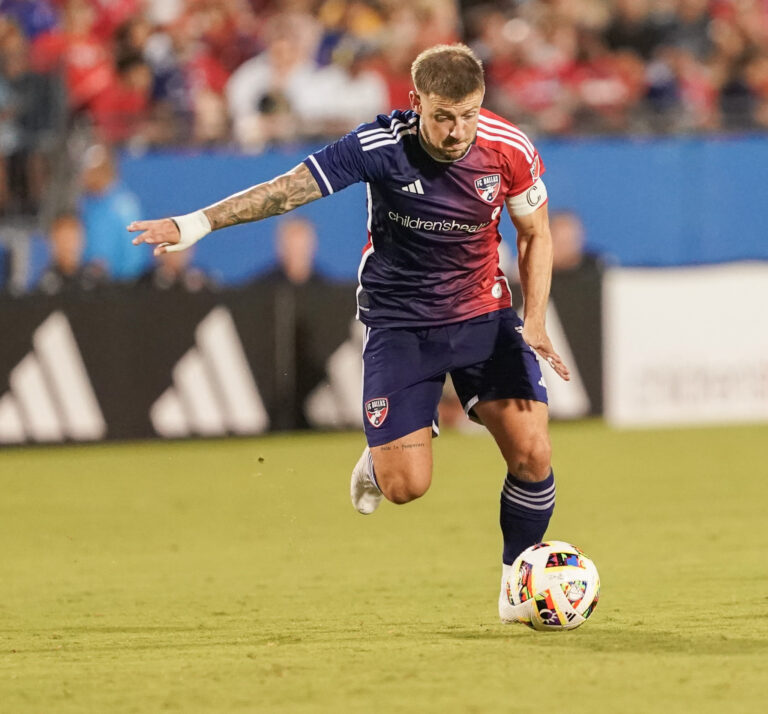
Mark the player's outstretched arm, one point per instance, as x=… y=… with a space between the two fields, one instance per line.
x=534 y=247
x=271 y=198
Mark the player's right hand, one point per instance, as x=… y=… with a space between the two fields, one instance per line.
x=162 y=233
x=172 y=234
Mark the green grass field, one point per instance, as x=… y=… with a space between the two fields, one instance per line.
x=234 y=576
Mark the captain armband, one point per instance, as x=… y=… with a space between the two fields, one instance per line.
x=529 y=200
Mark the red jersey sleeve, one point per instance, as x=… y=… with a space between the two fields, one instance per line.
x=524 y=173
x=524 y=165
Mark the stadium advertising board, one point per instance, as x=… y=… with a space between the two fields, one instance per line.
x=686 y=345
x=136 y=363
x=122 y=363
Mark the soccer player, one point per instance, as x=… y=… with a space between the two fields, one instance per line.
x=431 y=294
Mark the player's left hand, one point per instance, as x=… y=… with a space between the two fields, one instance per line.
x=536 y=337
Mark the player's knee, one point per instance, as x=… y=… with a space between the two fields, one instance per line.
x=533 y=458
x=404 y=486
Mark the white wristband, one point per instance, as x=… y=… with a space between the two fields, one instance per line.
x=192 y=227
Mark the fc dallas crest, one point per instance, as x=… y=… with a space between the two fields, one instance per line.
x=487 y=187
x=376 y=410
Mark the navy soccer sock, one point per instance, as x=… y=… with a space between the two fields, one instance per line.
x=525 y=512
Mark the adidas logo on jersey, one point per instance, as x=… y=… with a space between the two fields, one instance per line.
x=414 y=187
x=213 y=391
x=51 y=397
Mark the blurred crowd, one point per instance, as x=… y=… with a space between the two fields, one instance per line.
x=263 y=72
x=82 y=78
x=212 y=72
x=626 y=66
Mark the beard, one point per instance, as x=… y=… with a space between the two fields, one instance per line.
x=448 y=150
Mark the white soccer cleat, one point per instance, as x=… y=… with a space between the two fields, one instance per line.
x=508 y=612
x=506 y=609
x=365 y=496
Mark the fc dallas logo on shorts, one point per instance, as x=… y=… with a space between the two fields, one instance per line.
x=376 y=410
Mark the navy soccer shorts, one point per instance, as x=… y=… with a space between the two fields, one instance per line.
x=404 y=370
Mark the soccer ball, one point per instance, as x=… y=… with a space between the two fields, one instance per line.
x=553 y=586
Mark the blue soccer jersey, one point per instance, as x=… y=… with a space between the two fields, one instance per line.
x=433 y=227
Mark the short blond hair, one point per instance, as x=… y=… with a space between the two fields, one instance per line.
x=449 y=71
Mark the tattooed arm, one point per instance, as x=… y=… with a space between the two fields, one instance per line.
x=280 y=195
x=271 y=198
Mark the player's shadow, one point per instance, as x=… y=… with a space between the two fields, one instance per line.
x=610 y=637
